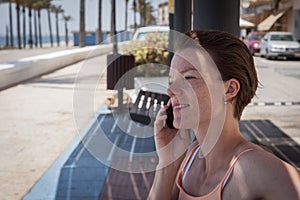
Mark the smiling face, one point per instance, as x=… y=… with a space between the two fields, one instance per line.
x=190 y=96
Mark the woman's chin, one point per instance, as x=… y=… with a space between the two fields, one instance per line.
x=176 y=123
x=179 y=124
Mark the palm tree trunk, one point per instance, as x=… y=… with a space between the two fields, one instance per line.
x=126 y=19
x=24 y=27
x=35 y=30
x=82 y=24
x=6 y=36
x=134 y=15
x=67 y=36
x=99 y=35
x=40 y=28
x=18 y=24
x=57 y=30
x=30 y=27
x=11 y=26
x=50 y=27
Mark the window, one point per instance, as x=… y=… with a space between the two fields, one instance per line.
x=282 y=38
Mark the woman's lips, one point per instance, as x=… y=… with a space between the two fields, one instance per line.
x=180 y=106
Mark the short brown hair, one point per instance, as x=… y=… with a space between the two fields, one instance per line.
x=233 y=59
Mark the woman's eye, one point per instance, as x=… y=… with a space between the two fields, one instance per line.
x=189 y=77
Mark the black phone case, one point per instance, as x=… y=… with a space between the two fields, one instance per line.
x=170 y=117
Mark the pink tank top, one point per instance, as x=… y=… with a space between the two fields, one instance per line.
x=216 y=193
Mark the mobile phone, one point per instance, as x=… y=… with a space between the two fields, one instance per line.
x=170 y=117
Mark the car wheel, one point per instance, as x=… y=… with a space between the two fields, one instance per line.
x=260 y=53
x=267 y=55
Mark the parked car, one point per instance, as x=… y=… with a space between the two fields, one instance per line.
x=253 y=41
x=141 y=33
x=279 y=45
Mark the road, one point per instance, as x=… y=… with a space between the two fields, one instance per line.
x=278 y=96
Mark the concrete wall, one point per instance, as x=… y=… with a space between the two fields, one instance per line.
x=12 y=73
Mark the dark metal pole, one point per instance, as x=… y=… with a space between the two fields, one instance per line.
x=171 y=25
x=113 y=27
x=115 y=49
x=183 y=15
x=217 y=15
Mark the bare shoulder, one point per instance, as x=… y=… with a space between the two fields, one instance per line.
x=267 y=176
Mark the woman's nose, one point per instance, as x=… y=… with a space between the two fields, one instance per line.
x=173 y=89
x=170 y=92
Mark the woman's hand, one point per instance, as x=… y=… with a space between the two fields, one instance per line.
x=170 y=143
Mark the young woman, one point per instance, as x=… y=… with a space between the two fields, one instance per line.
x=219 y=163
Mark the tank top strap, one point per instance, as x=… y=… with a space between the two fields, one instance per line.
x=190 y=156
x=232 y=164
x=182 y=170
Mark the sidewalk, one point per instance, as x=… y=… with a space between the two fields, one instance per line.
x=37 y=124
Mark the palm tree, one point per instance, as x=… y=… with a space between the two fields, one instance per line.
x=29 y=4
x=145 y=9
x=99 y=34
x=57 y=10
x=149 y=18
x=35 y=28
x=24 y=26
x=142 y=10
x=11 y=26
x=126 y=18
x=39 y=5
x=134 y=14
x=66 y=19
x=7 y=37
x=47 y=7
x=82 y=24
x=18 y=23
x=10 y=23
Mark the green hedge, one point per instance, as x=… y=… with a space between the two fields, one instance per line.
x=151 y=55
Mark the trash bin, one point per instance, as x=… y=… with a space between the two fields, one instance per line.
x=118 y=66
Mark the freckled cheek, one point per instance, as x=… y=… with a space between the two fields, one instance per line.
x=203 y=101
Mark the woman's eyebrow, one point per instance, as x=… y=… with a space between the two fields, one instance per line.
x=187 y=70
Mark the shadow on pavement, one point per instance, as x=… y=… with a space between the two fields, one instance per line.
x=84 y=177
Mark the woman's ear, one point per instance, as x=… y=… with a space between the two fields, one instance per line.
x=232 y=87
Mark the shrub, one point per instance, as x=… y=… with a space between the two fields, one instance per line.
x=151 y=55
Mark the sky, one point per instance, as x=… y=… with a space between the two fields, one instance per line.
x=71 y=8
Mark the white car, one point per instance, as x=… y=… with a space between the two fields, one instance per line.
x=142 y=32
x=279 y=45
